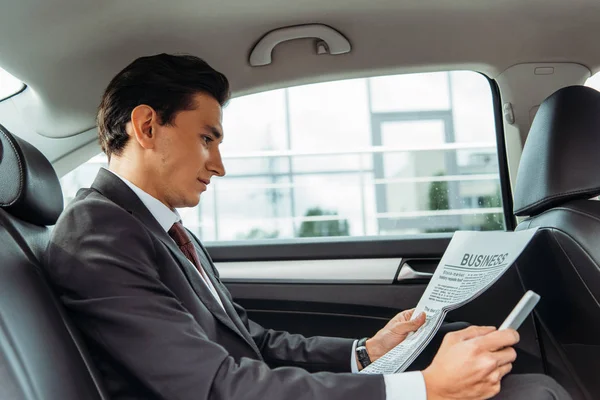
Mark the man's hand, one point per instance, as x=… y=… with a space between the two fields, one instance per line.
x=396 y=330
x=470 y=364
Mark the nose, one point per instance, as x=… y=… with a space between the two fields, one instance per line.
x=215 y=164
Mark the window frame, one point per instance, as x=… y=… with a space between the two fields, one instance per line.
x=369 y=246
x=510 y=220
x=24 y=86
x=21 y=90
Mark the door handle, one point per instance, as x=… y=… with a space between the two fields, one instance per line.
x=407 y=274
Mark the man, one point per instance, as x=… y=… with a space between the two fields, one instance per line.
x=145 y=293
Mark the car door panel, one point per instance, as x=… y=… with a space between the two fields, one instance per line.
x=339 y=289
x=301 y=288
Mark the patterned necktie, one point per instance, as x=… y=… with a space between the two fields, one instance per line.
x=183 y=240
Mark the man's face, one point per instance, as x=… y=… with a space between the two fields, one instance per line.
x=188 y=155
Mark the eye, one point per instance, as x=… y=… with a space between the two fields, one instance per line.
x=207 y=139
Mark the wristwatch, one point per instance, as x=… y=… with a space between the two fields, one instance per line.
x=362 y=354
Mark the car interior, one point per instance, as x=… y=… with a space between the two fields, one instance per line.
x=537 y=59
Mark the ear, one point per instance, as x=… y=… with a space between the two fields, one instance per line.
x=143 y=118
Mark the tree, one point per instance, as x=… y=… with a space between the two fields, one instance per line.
x=333 y=227
x=438 y=200
x=438 y=195
x=493 y=222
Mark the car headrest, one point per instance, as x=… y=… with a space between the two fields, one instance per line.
x=29 y=187
x=560 y=158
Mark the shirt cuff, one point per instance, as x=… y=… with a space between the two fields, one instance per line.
x=407 y=385
x=353 y=364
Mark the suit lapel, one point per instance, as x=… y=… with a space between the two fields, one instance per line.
x=207 y=264
x=195 y=280
x=116 y=190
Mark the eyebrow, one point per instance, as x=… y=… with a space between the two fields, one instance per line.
x=214 y=131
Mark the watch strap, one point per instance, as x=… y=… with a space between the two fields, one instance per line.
x=362 y=354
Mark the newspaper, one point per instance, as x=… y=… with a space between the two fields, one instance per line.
x=470 y=265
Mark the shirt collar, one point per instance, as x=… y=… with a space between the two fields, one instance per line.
x=163 y=214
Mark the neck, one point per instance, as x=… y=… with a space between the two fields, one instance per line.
x=134 y=172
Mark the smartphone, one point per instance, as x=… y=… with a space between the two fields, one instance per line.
x=521 y=311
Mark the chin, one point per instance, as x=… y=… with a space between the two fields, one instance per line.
x=193 y=201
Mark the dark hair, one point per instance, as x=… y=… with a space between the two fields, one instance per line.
x=165 y=82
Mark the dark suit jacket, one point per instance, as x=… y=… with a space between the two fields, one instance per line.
x=154 y=329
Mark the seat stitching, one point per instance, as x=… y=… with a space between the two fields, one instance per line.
x=21 y=178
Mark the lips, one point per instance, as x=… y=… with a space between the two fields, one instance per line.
x=205 y=181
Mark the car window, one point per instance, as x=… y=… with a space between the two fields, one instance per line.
x=390 y=155
x=594 y=81
x=9 y=85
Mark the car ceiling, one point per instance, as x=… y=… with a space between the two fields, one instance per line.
x=66 y=51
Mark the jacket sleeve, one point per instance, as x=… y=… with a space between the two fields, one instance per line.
x=100 y=259
x=279 y=348
x=317 y=353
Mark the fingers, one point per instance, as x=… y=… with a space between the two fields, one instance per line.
x=496 y=376
x=505 y=369
x=405 y=315
x=497 y=340
x=409 y=325
x=419 y=320
x=505 y=356
x=470 y=333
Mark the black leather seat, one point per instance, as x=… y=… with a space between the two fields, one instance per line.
x=41 y=356
x=558 y=176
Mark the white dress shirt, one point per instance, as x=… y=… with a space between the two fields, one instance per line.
x=405 y=386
